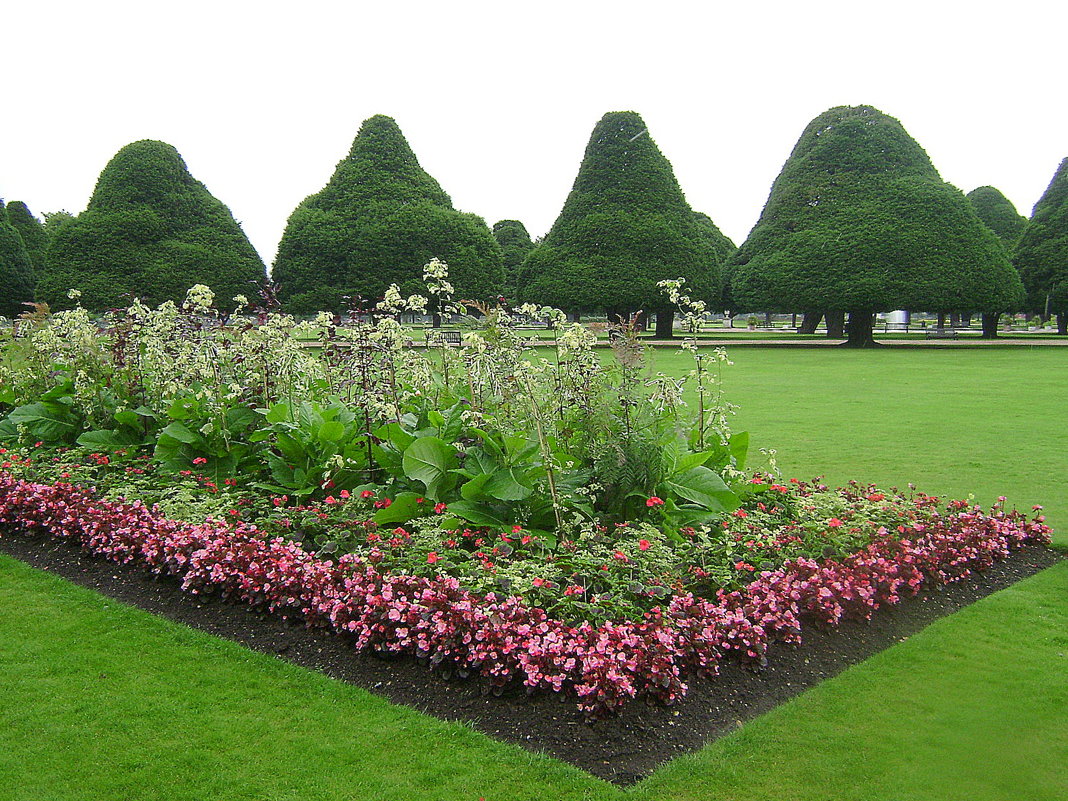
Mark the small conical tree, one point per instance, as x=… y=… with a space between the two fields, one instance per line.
x=380 y=218
x=723 y=247
x=1000 y=216
x=624 y=226
x=859 y=221
x=32 y=232
x=515 y=244
x=1042 y=252
x=151 y=231
x=16 y=270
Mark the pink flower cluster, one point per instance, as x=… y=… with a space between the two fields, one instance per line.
x=504 y=639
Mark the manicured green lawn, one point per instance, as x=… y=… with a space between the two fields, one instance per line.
x=98 y=701
x=954 y=422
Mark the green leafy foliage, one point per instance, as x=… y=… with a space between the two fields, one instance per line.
x=859 y=220
x=624 y=226
x=311 y=445
x=1042 y=253
x=16 y=269
x=151 y=231
x=380 y=218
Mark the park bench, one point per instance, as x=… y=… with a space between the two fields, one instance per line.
x=443 y=336
x=941 y=333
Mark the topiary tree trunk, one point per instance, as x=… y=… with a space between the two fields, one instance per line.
x=810 y=322
x=665 y=324
x=1062 y=323
x=990 y=325
x=835 y=324
x=859 y=332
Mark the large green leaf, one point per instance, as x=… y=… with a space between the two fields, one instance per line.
x=475 y=488
x=404 y=507
x=50 y=421
x=331 y=431
x=181 y=433
x=479 y=514
x=506 y=485
x=739 y=446
x=705 y=487
x=102 y=441
x=429 y=460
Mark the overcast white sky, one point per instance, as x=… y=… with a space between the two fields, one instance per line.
x=498 y=99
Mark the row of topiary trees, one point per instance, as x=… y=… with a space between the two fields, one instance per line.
x=858 y=221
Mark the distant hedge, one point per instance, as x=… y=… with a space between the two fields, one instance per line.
x=378 y=220
x=151 y=230
x=516 y=245
x=32 y=232
x=16 y=271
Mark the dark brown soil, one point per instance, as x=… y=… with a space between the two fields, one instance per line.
x=622 y=749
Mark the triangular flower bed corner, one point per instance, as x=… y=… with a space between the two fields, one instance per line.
x=512 y=645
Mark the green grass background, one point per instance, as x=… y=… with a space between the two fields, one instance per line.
x=100 y=701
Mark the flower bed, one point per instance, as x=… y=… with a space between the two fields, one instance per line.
x=504 y=638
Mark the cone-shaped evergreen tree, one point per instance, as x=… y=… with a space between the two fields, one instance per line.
x=32 y=232
x=151 y=230
x=859 y=221
x=1000 y=216
x=378 y=221
x=723 y=247
x=1042 y=253
x=515 y=244
x=16 y=270
x=625 y=226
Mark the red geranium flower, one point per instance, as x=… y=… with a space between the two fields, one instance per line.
x=654 y=501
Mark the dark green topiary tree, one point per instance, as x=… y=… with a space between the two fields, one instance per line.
x=378 y=221
x=16 y=270
x=625 y=226
x=151 y=230
x=859 y=221
x=1042 y=252
x=1000 y=216
x=32 y=232
x=515 y=244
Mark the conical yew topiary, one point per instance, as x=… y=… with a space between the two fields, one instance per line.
x=32 y=232
x=16 y=270
x=859 y=221
x=151 y=230
x=624 y=226
x=515 y=244
x=380 y=218
x=1000 y=216
x=1042 y=252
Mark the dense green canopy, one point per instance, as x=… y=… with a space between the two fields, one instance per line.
x=722 y=246
x=151 y=230
x=860 y=221
x=1042 y=253
x=515 y=244
x=999 y=215
x=16 y=270
x=625 y=226
x=380 y=218
x=32 y=232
